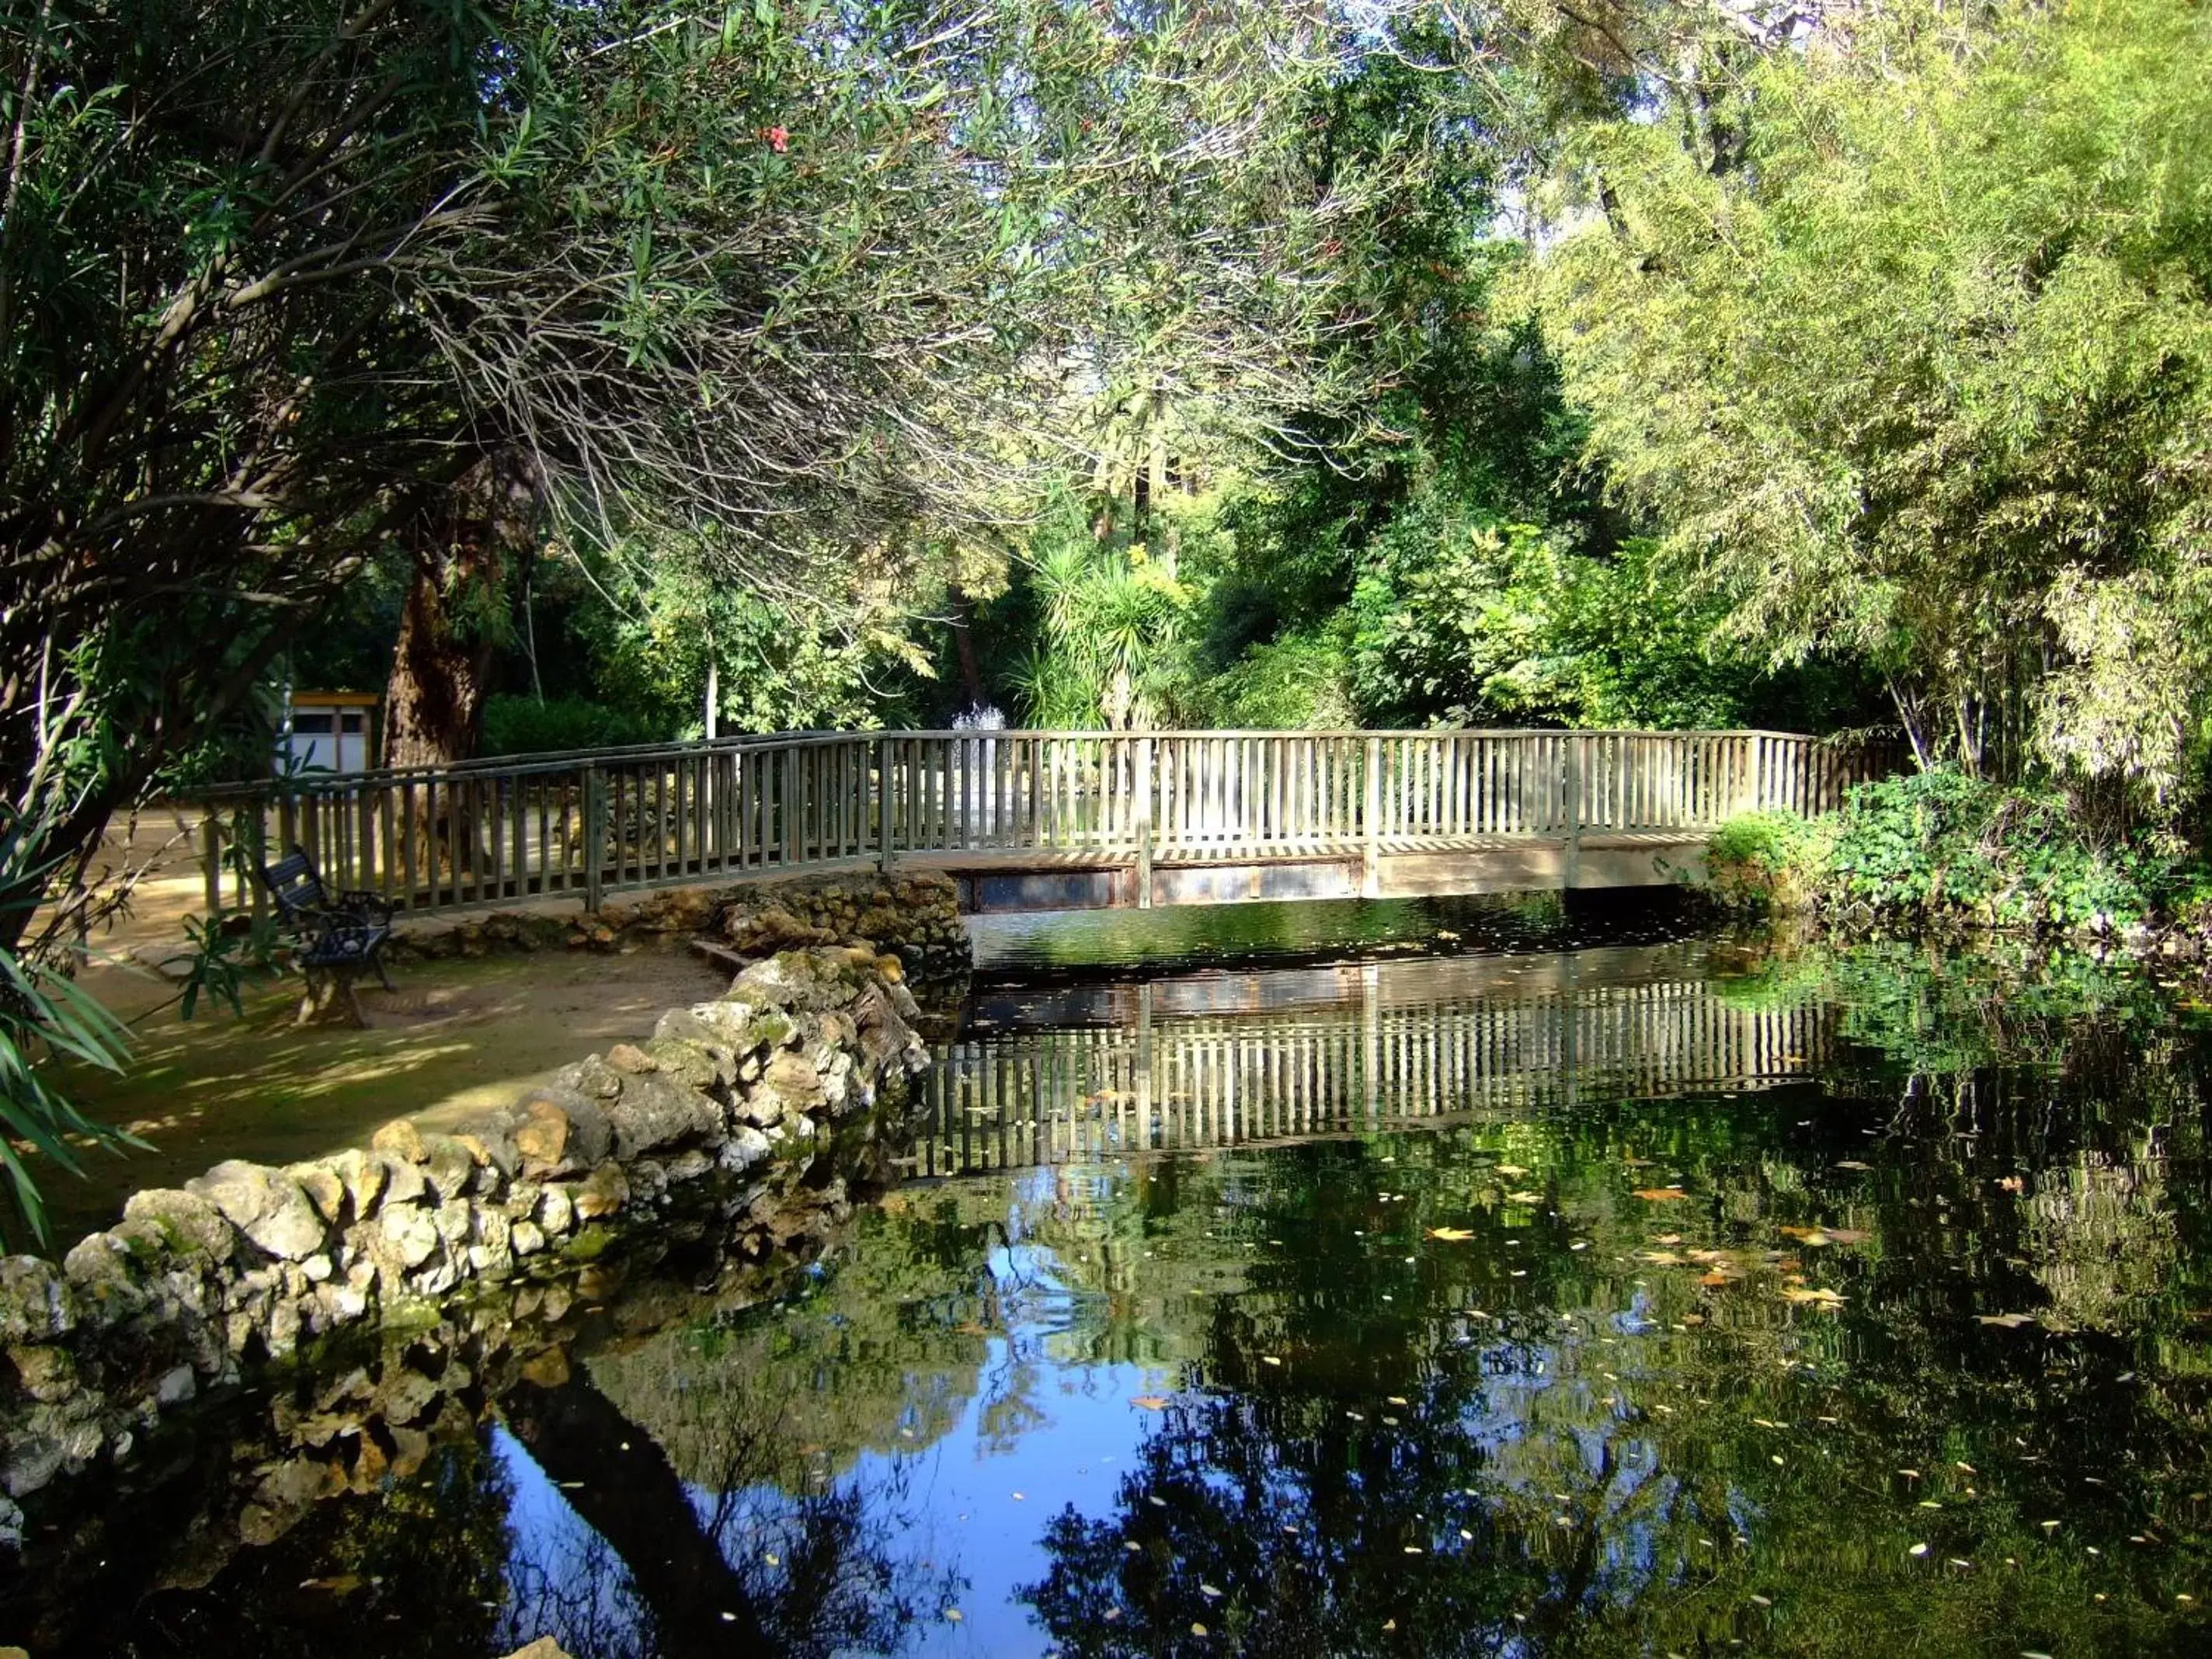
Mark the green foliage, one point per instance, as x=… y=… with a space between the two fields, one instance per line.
x=524 y=726
x=1295 y=682
x=659 y=615
x=1928 y=380
x=219 y=959
x=1942 y=843
x=1758 y=862
x=47 y=1024
x=1462 y=618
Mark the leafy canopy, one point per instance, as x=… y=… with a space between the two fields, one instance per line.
x=1926 y=377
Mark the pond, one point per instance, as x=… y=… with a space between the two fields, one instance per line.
x=1661 y=1296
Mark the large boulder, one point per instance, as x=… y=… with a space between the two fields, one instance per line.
x=266 y=1205
x=36 y=1302
x=189 y=1224
x=657 y=1111
x=805 y=981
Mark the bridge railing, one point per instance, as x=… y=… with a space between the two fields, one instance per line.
x=1153 y=1082
x=608 y=821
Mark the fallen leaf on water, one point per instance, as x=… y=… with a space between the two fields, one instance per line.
x=1660 y=1258
x=1667 y=1238
x=1635 y=1163
x=1917 y=1549
x=1819 y=1298
x=1451 y=1235
x=1151 y=1402
x=2010 y=1322
x=1514 y=1170
x=1525 y=1197
x=1715 y=1279
x=1851 y=1164
x=1269 y=1359
x=1660 y=1195
x=344 y=1584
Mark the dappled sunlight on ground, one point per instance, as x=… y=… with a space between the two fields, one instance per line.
x=453 y=1037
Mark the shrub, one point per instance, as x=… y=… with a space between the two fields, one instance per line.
x=1758 y=862
x=524 y=726
x=1940 y=843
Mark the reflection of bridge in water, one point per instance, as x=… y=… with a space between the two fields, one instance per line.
x=1229 y=1060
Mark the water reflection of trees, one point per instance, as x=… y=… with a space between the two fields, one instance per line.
x=1585 y=1423
x=663 y=1567
x=1573 y=1488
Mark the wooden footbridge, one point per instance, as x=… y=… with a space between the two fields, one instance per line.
x=1040 y=820
x=1220 y=1061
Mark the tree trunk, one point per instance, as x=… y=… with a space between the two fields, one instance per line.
x=963 y=645
x=456 y=613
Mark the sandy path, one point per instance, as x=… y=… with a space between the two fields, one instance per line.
x=455 y=1034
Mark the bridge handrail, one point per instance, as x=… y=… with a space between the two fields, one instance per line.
x=536 y=761
x=589 y=822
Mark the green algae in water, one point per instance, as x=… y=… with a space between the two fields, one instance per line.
x=1733 y=1324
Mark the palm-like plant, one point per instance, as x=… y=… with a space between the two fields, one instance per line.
x=46 y=1021
x=1112 y=622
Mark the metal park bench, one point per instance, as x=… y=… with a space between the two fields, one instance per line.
x=340 y=935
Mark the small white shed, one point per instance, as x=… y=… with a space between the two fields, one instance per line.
x=329 y=731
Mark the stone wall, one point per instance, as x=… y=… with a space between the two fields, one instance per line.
x=243 y=1475
x=917 y=916
x=913 y=915
x=199 y=1286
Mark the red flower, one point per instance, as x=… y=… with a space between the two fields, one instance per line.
x=778 y=140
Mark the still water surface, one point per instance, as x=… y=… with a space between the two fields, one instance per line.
x=1645 y=1298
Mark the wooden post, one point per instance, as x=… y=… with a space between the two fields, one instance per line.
x=595 y=836
x=211 y=859
x=257 y=855
x=1371 y=1035
x=884 y=796
x=1370 y=859
x=1572 y=874
x=1144 y=810
x=792 y=805
x=1144 y=1065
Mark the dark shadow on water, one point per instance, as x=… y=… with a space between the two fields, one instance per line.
x=1092 y=945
